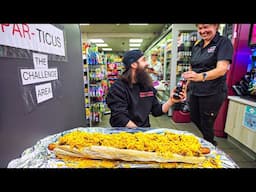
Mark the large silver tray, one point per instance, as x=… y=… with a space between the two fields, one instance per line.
x=39 y=156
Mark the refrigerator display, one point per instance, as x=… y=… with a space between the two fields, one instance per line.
x=183 y=38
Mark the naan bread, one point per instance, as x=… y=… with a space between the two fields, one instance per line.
x=137 y=147
x=104 y=152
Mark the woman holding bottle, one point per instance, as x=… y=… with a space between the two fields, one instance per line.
x=209 y=63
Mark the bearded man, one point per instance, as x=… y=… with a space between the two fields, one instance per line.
x=132 y=97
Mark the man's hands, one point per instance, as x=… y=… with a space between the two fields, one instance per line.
x=171 y=100
x=131 y=124
x=182 y=94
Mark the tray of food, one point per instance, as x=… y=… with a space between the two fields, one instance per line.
x=97 y=147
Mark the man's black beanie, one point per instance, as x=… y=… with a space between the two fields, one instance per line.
x=131 y=57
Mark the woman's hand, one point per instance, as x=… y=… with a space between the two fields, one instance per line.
x=150 y=70
x=192 y=75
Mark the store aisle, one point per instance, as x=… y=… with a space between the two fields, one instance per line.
x=226 y=145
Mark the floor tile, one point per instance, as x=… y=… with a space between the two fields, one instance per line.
x=237 y=155
x=224 y=144
x=246 y=164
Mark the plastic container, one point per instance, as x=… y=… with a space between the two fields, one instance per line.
x=181 y=117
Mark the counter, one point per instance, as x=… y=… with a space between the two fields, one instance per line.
x=241 y=121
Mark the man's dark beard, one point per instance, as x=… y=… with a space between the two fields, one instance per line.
x=143 y=78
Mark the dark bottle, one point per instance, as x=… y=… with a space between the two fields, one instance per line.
x=180 y=86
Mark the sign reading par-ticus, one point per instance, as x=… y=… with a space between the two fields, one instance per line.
x=38 y=37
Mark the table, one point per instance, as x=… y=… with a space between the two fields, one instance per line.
x=38 y=156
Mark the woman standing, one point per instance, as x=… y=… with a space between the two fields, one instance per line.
x=209 y=63
x=155 y=68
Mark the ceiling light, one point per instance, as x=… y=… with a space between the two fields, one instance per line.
x=101 y=45
x=96 y=40
x=84 y=24
x=135 y=40
x=138 y=24
x=133 y=48
x=135 y=45
x=106 y=49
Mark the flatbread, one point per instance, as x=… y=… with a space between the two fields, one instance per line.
x=104 y=152
x=58 y=151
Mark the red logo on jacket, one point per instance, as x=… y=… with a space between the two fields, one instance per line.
x=146 y=94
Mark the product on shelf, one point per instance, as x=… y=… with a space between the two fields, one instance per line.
x=95 y=84
x=86 y=93
x=186 y=41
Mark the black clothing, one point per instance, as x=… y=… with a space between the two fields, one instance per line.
x=205 y=59
x=132 y=103
x=203 y=112
x=207 y=97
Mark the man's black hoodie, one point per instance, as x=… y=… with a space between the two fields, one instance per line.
x=132 y=103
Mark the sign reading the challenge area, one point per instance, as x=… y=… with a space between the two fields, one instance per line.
x=41 y=73
x=43 y=92
x=38 y=37
x=40 y=61
x=30 y=76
